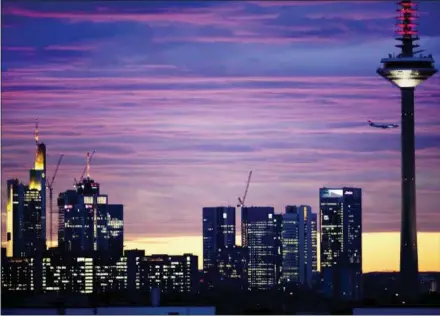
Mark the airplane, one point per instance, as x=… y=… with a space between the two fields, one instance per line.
x=384 y=126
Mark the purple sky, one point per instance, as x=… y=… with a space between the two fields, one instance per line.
x=182 y=99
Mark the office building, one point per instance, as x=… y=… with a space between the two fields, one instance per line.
x=133 y=259
x=18 y=275
x=169 y=273
x=26 y=210
x=341 y=242
x=232 y=268
x=67 y=274
x=299 y=238
x=35 y=201
x=87 y=222
x=110 y=273
x=278 y=249
x=115 y=221
x=218 y=233
x=258 y=236
x=15 y=219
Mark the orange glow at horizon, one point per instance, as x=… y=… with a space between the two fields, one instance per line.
x=381 y=251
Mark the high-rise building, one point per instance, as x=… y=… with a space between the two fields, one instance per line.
x=87 y=223
x=258 y=236
x=406 y=71
x=115 y=220
x=133 y=259
x=218 y=233
x=15 y=219
x=26 y=210
x=299 y=238
x=35 y=198
x=341 y=242
x=232 y=268
x=278 y=249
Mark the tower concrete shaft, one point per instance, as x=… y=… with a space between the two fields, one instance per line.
x=408 y=231
x=407 y=71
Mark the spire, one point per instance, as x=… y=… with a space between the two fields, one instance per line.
x=36 y=132
x=406 y=27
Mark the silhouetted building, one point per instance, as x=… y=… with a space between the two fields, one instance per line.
x=87 y=222
x=18 y=274
x=133 y=258
x=218 y=233
x=278 y=249
x=341 y=242
x=258 y=236
x=110 y=273
x=67 y=274
x=15 y=230
x=232 y=265
x=169 y=273
x=115 y=220
x=299 y=245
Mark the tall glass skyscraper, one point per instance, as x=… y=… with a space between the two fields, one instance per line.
x=26 y=209
x=86 y=221
x=15 y=218
x=299 y=239
x=218 y=233
x=258 y=236
x=341 y=242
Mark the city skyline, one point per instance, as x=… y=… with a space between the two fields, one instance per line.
x=237 y=113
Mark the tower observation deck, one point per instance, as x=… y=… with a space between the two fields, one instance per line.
x=407 y=71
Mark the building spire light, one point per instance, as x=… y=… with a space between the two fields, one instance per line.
x=36 y=131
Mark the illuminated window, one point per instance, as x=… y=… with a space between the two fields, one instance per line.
x=102 y=200
x=88 y=200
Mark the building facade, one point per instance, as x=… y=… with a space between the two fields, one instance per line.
x=299 y=238
x=18 y=275
x=26 y=210
x=278 y=249
x=258 y=236
x=169 y=273
x=341 y=242
x=15 y=219
x=115 y=220
x=218 y=233
x=87 y=222
x=232 y=268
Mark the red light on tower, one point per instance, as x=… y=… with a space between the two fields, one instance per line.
x=407 y=14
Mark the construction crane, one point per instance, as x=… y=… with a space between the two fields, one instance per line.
x=242 y=200
x=86 y=168
x=49 y=185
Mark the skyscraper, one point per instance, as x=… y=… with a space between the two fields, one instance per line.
x=299 y=245
x=218 y=233
x=35 y=199
x=14 y=219
x=278 y=248
x=259 y=238
x=115 y=220
x=26 y=209
x=341 y=242
x=407 y=71
x=85 y=224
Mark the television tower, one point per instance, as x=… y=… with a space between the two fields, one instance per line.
x=407 y=71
